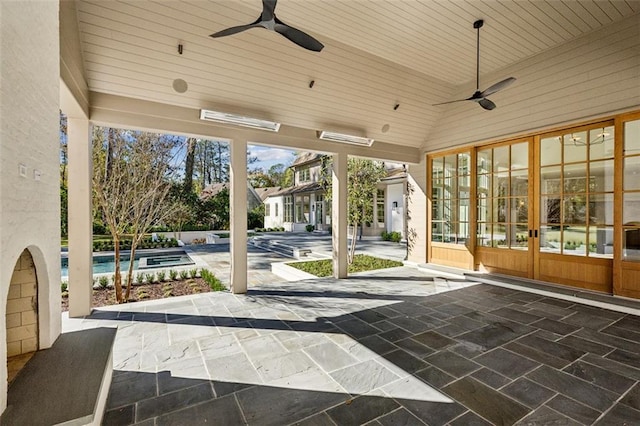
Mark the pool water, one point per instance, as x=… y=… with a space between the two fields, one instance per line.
x=105 y=264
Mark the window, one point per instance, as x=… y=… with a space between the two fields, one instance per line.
x=288 y=208
x=576 y=192
x=450 y=186
x=276 y=209
x=304 y=175
x=380 y=205
x=302 y=208
x=267 y=209
x=503 y=196
x=631 y=192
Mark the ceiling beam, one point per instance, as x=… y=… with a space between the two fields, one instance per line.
x=119 y=111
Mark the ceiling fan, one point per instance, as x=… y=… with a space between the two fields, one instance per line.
x=270 y=21
x=478 y=96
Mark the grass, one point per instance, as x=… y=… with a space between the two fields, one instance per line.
x=361 y=263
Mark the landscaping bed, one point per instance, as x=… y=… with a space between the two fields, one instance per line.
x=361 y=263
x=152 y=291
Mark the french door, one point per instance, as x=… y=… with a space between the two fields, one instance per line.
x=546 y=207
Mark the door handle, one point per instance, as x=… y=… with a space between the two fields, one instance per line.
x=530 y=233
x=536 y=233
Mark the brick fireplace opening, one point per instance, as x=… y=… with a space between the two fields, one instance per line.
x=22 y=315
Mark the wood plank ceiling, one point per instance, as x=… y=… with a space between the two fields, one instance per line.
x=377 y=54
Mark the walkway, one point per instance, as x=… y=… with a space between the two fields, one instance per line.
x=400 y=346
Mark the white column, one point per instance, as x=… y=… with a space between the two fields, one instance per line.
x=339 y=215
x=238 y=219
x=416 y=213
x=80 y=171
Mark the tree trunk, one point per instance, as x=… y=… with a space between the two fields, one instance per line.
x=117 y=282
x=130 y=271
x=352 y=247
x=187 y=186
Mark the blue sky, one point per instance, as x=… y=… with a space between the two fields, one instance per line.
x=268 y=156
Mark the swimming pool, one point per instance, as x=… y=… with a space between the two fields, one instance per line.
x=105 y=264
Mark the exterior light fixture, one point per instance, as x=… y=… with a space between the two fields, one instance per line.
x=344 y=138
x=239 y=120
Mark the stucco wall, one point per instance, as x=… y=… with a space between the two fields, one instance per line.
x=29 y=204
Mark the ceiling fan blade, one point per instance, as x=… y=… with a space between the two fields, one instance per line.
x=450 y=102
x=268 y=9
x=487 y=104
x=298 y=37
x=235 y=30
x=498 y=86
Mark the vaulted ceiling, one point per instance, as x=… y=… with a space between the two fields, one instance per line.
x=377 y=54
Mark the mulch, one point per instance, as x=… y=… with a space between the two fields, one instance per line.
x=163 y=290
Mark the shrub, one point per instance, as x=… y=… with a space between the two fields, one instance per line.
x=184 y=274
x=309 y=227
x=150 y=278
x=214 y=283
x=103 y=281
x=64 y=286
x=173 y=274
x=395 y=237
x=139 y=277
x=99 y=229
x=161 y=275
x=385 y=236
x=193 y=273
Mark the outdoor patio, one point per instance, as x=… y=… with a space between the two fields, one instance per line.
x=400 y=346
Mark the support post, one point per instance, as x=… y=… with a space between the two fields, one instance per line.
x=339 y=216
x=238 y=217
x=80 y=226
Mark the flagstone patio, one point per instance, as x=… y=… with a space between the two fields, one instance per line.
x=399 y=346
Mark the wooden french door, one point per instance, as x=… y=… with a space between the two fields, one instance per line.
x=545 y=207
x=627 y=202
x=574 y=217
x=505 y=206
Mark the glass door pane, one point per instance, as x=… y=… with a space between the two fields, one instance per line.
x=503 y=196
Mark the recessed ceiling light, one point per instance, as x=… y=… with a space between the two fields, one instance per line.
x=180 y=86
x=344 y=138
x=239 y=120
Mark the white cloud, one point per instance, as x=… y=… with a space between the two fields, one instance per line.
x=271 y=154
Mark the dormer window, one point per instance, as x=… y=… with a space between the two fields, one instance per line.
x=304 y=175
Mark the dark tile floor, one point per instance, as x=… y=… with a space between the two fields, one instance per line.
x=390 y=349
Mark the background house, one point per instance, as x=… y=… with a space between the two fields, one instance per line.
x=304 y=203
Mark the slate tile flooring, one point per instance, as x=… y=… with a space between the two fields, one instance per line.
x=403 y=346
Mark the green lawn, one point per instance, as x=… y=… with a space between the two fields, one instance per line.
x=361 y=263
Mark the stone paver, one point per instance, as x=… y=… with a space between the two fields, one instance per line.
x=399 y=345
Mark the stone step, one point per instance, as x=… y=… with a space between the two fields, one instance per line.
x=65 y=384
x=280 y=248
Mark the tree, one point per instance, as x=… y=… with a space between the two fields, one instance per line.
x=363 y=177
x=132 y=194
x=188 y=167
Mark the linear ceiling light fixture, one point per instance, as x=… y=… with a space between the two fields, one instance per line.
x=344 y=138
x=239 y=120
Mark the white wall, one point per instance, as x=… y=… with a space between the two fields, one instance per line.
x=273 y=221
x=395 y=217
x=30 y=208
x=593 y=76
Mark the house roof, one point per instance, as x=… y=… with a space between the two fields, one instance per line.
x=298 y=189
x=263 y=193
x=305 y=158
